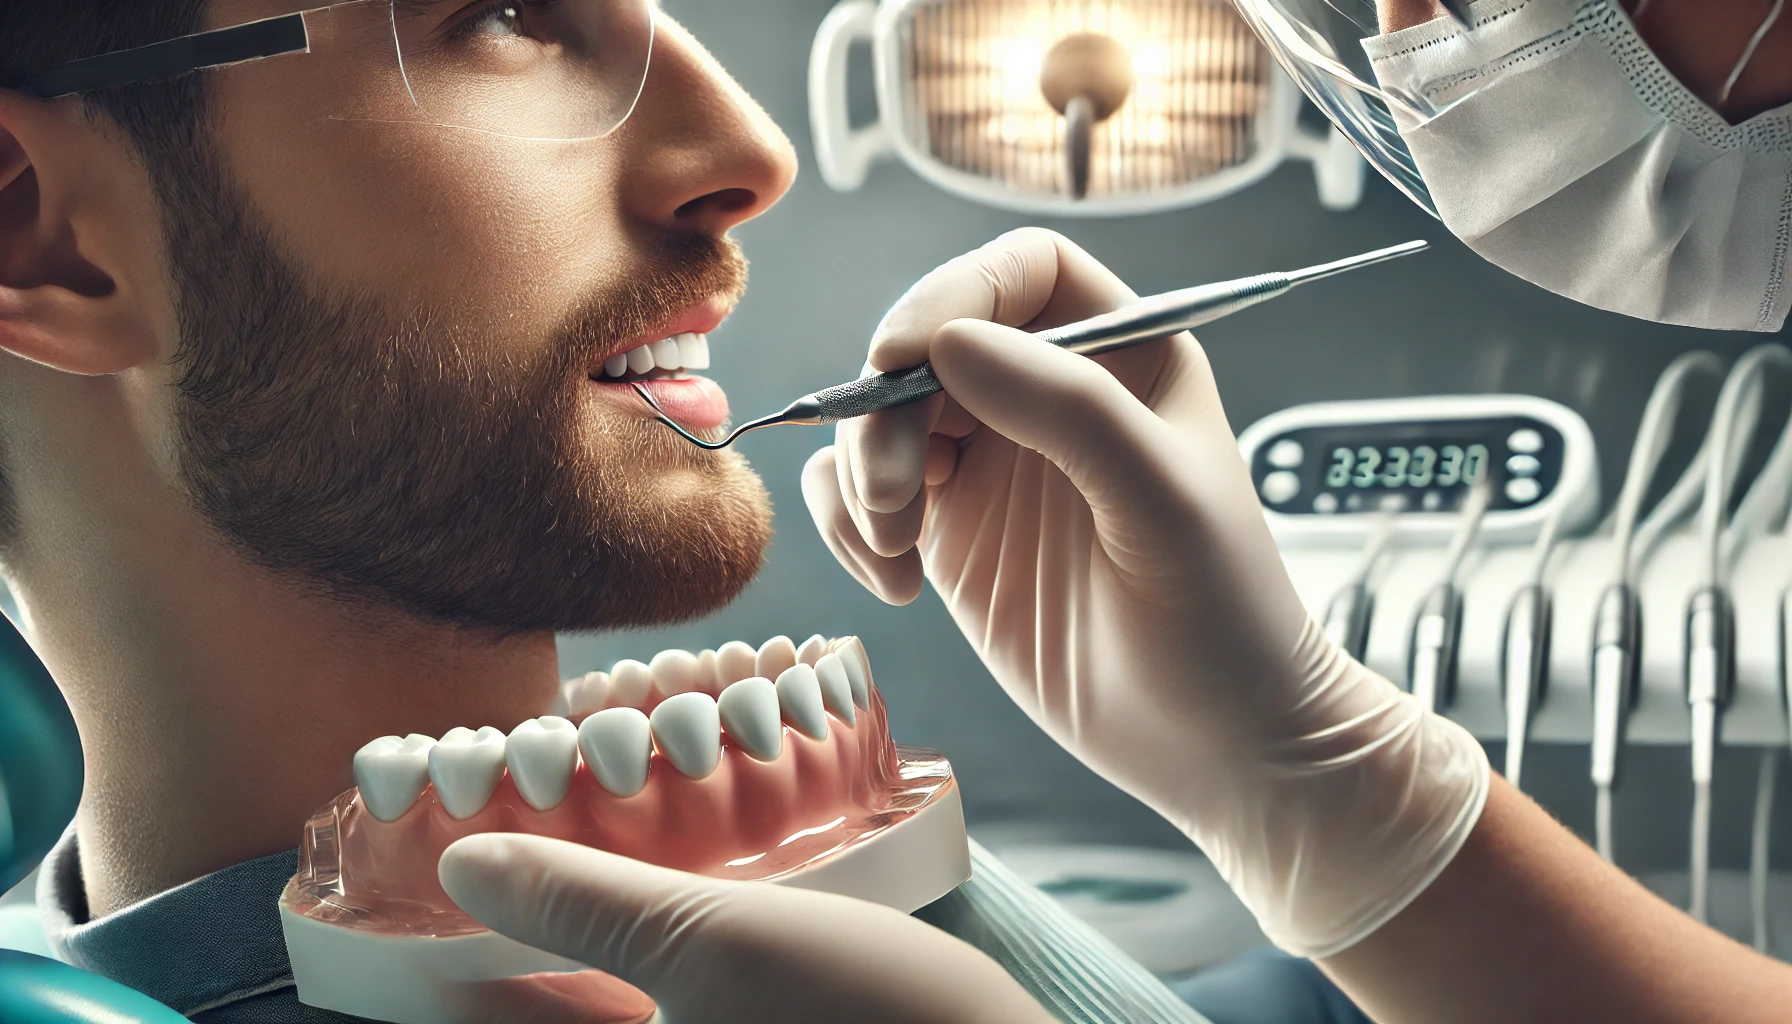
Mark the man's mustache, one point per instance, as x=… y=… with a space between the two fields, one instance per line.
x=685 y=272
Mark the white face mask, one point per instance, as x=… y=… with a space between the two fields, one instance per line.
x=1564 y=152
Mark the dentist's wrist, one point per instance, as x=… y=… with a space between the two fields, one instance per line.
x=1349 y=810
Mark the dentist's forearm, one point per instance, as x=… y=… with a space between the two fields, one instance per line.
x=1527 y=923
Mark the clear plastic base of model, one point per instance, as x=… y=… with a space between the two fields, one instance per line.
x=773 y=764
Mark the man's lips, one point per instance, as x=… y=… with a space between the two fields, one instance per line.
x=697 y=403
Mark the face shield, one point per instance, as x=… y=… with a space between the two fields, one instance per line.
x=1551 y=138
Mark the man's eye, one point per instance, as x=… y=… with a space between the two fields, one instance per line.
x=501 y=19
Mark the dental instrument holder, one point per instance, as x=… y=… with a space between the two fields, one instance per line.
x=1431 y=669
x=1346 y=621
x=1616 y=675
x=1155 y=317
x=1710 y=686
x=1524 y=665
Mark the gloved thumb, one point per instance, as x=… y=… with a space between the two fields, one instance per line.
x=709 y=949
x=621 y=916
x=1066 y=407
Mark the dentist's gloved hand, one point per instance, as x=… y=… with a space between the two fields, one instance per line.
x=1093 y=530
x=711 y=950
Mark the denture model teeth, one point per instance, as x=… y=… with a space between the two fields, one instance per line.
x=617 y=743
x=466 y=767
x=772 y=763
x=688 y=731
x=799 y=697
x=542 y=755
x=749 y=711
x=391 y=773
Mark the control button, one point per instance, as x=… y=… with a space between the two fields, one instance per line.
x=1523 y=465
x=1354 y=503
x=1525 y=440
x=1433 y=501
x=1523 y=490
x=1286 y=454
x=1280 y=486
x=1325 y=504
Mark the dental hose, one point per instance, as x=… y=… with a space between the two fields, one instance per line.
x=1758 y=864
x=1710 y=625
x=1617 y=624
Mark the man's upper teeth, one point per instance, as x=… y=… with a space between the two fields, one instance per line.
x=679 y=352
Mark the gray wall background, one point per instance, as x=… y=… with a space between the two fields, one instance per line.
x=826 y=266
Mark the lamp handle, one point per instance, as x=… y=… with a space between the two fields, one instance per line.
x=845 y=154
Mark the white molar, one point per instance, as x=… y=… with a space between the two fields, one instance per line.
x=676 y=672
x=693 y=351
x=774 y=657
x=706 y=671
x=858 y=670
x=542 y=754
x=587 y=694
x=630 y=683
x=687 y=729
x=616 y=365
x=617 y=744
x=391 y=773
x=466 y=766
x=812 y=650
x=799 y=697
x=836 y=687
x=734 y=661
x=749 y=711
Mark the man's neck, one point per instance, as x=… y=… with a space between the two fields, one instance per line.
x=225 y=707
x=218 y=706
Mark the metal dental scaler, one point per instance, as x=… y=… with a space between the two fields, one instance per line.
x=1155 y=317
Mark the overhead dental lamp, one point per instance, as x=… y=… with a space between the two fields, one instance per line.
x=1068 y=107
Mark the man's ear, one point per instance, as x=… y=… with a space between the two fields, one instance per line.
x=73 y=274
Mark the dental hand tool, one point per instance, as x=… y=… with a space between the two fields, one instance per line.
x=1618 y=622
x=1431 y=670
x=1155 y=317
x=1346 y=621
x=1524 y=667
x=1710 y=618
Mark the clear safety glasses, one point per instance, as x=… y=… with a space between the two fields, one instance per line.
x=532 y=69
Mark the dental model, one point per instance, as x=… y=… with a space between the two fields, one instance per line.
x=771 y=764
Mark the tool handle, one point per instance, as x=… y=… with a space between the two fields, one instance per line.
x=875 y=393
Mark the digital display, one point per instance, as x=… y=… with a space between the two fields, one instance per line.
x=1397 y=465
x=1411 y=466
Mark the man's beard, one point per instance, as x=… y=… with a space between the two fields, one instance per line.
x=421 y=466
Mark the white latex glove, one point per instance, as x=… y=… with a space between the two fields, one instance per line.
x=1093 y=530
x=711 y=950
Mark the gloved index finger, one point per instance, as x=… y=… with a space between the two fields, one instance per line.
x=1008 y=281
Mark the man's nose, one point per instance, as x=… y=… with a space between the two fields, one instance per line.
x=701 y=154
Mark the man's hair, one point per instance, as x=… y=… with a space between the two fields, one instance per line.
x=160 y=118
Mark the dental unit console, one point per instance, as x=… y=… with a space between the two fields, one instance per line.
x=773 y=764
